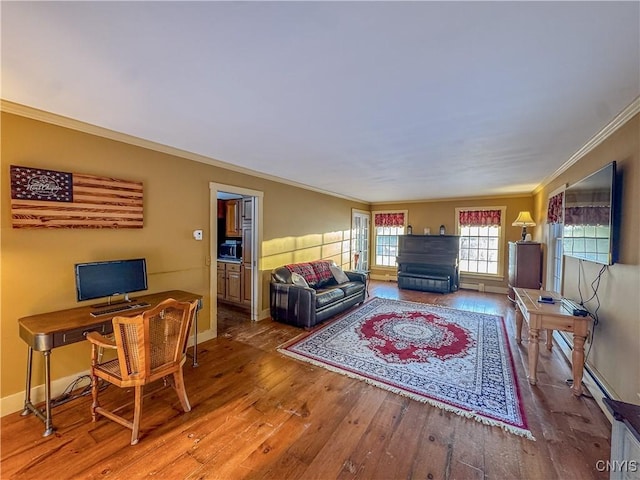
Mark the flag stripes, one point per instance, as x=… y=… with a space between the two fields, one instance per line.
x=98 y=202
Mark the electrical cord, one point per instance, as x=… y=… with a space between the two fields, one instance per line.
x=68 y=395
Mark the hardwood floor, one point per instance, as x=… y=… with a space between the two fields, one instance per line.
x=257 y=414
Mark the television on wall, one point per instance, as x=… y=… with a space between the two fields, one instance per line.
x=109 y=278
x=591 y=212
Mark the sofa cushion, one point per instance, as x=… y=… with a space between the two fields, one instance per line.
x=350 y=288
x=328 y=296
x=323 y=272
x=306 y=270
x=338 y=274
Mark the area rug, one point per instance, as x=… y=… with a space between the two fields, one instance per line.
x=455 y=360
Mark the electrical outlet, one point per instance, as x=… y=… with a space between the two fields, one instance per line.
x=197 y=234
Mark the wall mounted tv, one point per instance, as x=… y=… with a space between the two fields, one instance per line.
x=110 y=278
x=591 y=213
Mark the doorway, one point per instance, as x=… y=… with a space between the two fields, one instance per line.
x=360 y=226
x=244 y=274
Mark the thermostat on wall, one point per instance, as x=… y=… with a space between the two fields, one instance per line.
x=197 y=234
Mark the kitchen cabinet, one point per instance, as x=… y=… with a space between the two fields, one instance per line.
x=229 y=282
x=247 y=263
x=247 y=210
x=233 y=218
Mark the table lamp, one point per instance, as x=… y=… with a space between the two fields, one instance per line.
x=524 y=220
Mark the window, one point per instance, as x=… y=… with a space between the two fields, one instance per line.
x=388 y=225
x=555 y=221
x=481 y=233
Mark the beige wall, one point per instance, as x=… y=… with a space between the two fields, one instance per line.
x=615 y=353
x=432 y=214
x=37 y=264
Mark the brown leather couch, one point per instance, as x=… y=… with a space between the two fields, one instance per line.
x=294 y=303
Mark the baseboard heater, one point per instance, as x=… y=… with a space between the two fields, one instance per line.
x=596 y=385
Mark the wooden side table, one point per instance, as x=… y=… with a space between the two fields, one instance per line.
x=550 y=316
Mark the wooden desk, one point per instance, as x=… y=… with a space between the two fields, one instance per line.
x=546 y=316
x=46 y=331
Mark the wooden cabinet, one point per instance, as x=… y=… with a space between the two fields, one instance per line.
x=247 y=251
x=247 y=209
x=525 y=266
x=233 y=220
x=229 y=282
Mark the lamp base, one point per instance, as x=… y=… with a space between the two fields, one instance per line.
x=524 y=233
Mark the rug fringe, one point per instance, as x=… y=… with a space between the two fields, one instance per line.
x=449 y=408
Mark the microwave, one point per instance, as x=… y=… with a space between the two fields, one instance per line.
x=230 y=249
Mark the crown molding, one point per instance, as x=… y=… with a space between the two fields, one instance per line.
x=619 y=120
x=66 y=122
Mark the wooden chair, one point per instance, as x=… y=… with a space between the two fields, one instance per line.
x=149 y=346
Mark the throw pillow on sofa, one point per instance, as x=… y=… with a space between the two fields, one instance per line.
x=298 y=280
x=338 y=274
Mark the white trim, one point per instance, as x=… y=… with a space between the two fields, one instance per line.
x=256 y=248
x=619 y=120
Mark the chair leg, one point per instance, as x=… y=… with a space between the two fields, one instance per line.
x=178 y=381
x=94 y=396
x=137 y=412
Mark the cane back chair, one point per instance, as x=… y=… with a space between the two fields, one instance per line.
x=149 y=346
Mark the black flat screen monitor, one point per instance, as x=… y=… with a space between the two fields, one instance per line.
x=114 y=277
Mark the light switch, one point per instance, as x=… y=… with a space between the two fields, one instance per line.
x=197 y=234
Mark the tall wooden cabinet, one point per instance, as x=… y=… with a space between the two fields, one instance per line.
x=247 y=253
x=525 y=266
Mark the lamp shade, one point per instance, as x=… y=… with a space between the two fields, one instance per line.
x=524 y=220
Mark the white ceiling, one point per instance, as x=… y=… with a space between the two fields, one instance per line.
x=378 y=101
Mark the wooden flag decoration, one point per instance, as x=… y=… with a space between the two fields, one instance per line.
x=49 y=199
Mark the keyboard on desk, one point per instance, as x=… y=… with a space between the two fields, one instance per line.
x=118 y=309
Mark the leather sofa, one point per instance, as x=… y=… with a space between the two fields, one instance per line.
x=305 y=303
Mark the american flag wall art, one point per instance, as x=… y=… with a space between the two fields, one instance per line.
x=43 y=198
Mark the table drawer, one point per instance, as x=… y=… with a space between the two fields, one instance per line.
x=78 y=334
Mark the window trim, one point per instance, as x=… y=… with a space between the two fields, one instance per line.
x=502 y=242
x=374 y=237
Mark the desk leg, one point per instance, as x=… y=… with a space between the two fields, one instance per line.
x=27 y=390
x=195 y=340
x=549 y=339
x=48 y=423
x=534 y=347
x=577 y=364
x=30 y=407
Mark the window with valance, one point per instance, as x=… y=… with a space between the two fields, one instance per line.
x=479 y=218
x=388 y=225
x=481 y=232
x=389 y=219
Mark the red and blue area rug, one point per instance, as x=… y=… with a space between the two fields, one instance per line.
x=455 y=360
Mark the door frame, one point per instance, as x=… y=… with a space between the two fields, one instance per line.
x=256 y=241
x=361 y=213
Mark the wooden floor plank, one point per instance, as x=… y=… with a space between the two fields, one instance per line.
x=257 y=414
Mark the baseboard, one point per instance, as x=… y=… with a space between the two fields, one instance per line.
x=387 y=277
x=481 y=287
x=14 y=403
x=596 y=385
